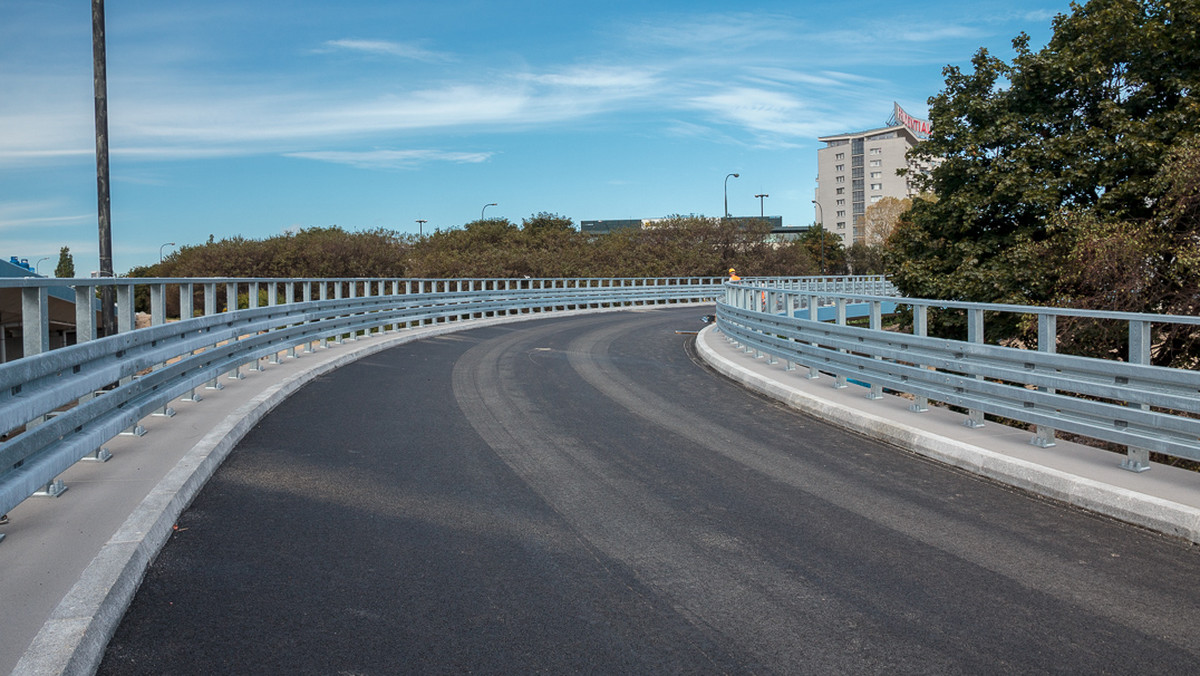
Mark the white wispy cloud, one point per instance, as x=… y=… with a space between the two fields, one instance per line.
x=719 y=31
x=391 y=159
x=403 y=50
x=38 y=213
x=762 y=111
x=627 y=79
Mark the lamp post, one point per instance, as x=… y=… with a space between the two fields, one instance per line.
x=38 y=263
x=160 y=250
x=821 y=225
x=727 y=192
x=761 y=208
x=493 y=204
x=421 y=226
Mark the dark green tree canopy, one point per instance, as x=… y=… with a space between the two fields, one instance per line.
x=1082 y=124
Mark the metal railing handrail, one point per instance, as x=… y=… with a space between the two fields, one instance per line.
x=1132 y=403
x=58 y=406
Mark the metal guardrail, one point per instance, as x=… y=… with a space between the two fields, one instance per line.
x=1146 y=408
x=60 y=406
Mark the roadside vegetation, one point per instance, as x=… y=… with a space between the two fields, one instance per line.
x=543 y=245
x=1069 y=176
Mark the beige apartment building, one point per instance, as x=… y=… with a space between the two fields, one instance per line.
x=856 y=170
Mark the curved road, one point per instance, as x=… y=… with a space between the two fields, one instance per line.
x=579 y=495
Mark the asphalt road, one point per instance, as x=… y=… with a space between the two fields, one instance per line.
x=579 y=495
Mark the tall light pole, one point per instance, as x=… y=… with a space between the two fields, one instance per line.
x=761 y=208
x=108 y=306
x=160 y=250
x=38 y=263
x=421 y=226
x=727 y=192
x=821 y=225
x=493 y=204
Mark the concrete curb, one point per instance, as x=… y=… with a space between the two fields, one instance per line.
x=1158 y=514
x=73 y=639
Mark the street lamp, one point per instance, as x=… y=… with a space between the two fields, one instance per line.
x=160 y=250
x=761 y=208
x=493 y=204
x=821 y=224
x=39 y=262
x=727 y=192
x=421 y=226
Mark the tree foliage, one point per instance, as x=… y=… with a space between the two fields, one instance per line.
x=1082 y=125
x=66 y=264
x=545 y=245
x=1067 y=176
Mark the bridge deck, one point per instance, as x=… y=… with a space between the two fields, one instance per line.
x=52 y=542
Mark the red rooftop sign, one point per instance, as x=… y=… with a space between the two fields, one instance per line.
x=919 y=127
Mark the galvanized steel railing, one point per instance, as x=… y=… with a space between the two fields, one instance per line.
x=1143 y=407
x=60 y=406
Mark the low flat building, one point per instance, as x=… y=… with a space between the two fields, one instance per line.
x=60 y=307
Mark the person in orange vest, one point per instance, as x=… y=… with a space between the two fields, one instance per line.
x=733 y=277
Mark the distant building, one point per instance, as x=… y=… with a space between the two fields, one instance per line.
x=857 y=169
x=60 y=307
x=605 y=227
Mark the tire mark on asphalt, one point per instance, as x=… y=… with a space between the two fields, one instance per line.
x=717 y=582
x=1116 y=597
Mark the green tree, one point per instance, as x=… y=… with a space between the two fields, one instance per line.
x=545 y=220
x=825 y=249
x=1082 y=125
x=66 y=263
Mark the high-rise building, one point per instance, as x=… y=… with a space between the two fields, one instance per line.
x=857 y=169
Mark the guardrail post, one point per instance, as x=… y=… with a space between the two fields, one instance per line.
x=974 y=335
x=791 y=305
x=127 y=321
x=814 y=314
x=1048 y=344
x=252 y=295
x=35 y=336
x=158 y=317
x=920 y=328
x=875 y=323
x=233 y=304
x=352 y=288
x=187 y=309
x=210 y=308
x=158 y=304
x=840 y=305
x=35 y=320
x=1138 y=459
x=85 y=330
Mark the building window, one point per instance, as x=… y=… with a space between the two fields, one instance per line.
x=840 y=167
x=841 y=179
x=841 y=213
x=876 y=174
x=840 y=156
x=876 y=151
x=876 y=186
x=841 y=191
x=876 y=198
x=841 y=203
x=876 y=163
x=841 y=225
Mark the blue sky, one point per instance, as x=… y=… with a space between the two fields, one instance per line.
x=253 y=118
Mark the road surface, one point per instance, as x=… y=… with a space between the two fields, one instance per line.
x=580 y=495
